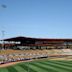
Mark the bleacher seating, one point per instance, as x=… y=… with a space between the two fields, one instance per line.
x=18 y=55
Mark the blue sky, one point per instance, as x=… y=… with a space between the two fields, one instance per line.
x=36 y=18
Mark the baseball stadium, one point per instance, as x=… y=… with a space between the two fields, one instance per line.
x=26 y=54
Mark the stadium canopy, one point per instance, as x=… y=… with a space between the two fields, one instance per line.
x=21 y=38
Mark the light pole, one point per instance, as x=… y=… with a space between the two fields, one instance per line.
x=3 y=32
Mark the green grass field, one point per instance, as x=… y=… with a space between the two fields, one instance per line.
x=40 y=66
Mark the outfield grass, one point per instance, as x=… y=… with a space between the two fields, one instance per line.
x=40 y=66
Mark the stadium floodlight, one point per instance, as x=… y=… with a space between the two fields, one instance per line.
x=3 y=6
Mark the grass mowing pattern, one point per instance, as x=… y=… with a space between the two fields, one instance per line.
x=45 y=68
x=56 y=67
x=40 y=66
x=11 y=69
x=27 y=67
x=64 y=66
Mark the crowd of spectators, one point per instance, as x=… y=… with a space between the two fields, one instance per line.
x=15 y=56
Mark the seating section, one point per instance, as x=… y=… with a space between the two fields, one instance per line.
x=59 y=52
x=18 y=55
x=67 y=51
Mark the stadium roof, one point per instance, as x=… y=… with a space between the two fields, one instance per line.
x=21 y=38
